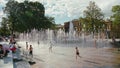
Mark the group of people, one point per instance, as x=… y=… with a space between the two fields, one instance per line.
x=76 y=48
x=3 y=51
x=4 y=48
x=50 y=50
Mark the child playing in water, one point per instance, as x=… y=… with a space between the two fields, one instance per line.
x=31 y=50
x=50 y=48
x=77 y=52
x=95 y=43
x=26 y=45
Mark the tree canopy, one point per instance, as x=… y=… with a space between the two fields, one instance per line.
x=4 y=29
x=116 y=14
x=25 y=16
x=93 y=17
x=116 y=21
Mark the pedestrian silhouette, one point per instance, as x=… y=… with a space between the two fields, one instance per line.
x=77 y=52
x=50 y=48
x=26 y=45
x=31 y=51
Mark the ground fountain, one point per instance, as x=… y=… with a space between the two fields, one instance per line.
x=63 y=47
x=59 y=37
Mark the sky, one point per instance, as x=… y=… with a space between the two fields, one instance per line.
x=67 y=10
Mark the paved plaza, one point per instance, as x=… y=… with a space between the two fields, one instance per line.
x=6 y=62
x=64 y=57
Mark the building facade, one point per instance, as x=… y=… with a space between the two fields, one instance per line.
x=76 y=25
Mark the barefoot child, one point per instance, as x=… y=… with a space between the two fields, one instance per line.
x=26 y=45
x=50 y=48
x=77 y=53
x=31 y=51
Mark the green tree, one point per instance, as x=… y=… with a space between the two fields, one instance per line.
x=26 y=16
x=116 y=15
x=93 y=19
x=116 y=21
x=9 y=10
x=4 y=29
x=51 y=21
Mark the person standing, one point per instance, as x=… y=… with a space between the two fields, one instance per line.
x=26 y=45
x=31 y=51
x=95 y=43
x=50 y=48
x=12 y=40
x=38 y=43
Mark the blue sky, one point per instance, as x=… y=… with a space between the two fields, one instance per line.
x=66 y=10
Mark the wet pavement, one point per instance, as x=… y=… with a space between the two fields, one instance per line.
x=63 y=56
x=6 y=62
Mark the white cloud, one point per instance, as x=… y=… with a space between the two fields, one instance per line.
x=64 y=10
